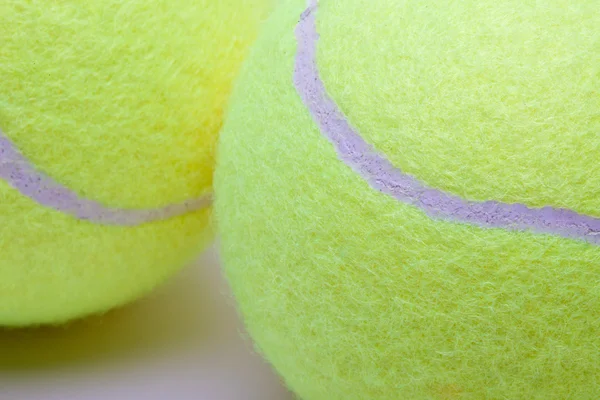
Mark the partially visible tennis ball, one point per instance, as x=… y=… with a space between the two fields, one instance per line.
x=408 y=196
x=109 y=111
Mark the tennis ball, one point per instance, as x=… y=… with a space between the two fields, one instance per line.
x=109 y=112
x=408 y=197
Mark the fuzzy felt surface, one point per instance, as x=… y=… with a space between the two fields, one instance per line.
x=109 y=113
x=353 y=294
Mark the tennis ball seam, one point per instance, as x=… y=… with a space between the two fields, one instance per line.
x=383 y=176
x=19 y=173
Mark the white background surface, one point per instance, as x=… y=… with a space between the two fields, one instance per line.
x=184 y=342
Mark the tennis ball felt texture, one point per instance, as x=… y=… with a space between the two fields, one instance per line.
x=408 y=198
x=109 y=112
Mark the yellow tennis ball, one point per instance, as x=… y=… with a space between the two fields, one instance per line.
x=109 y=111
x=408 y=198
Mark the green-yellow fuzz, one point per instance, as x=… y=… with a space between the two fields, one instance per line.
x=353 y=295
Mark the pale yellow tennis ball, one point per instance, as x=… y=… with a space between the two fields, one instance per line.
x=109 y=111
